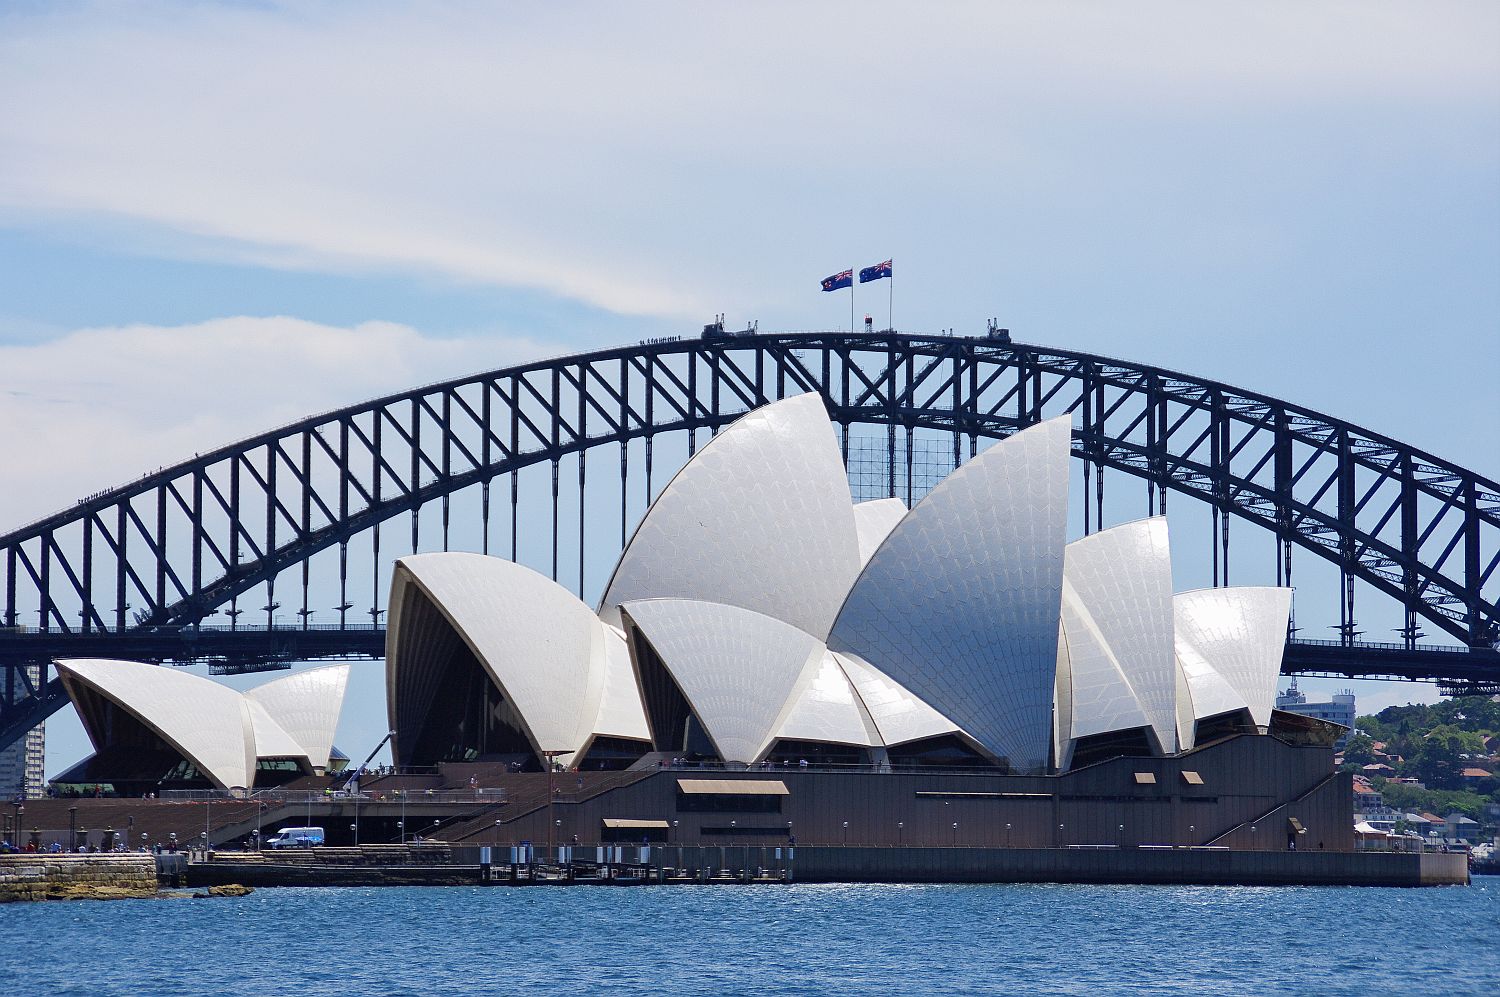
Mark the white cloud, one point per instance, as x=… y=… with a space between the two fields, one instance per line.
x=632 y=156
x=98 y=407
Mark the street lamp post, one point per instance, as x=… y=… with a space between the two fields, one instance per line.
x=551 y=758
x=955 y=833
x=1007 y=835
x=900 y=832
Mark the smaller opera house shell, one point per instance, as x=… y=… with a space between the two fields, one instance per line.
x=155 y=727
x=760 y=616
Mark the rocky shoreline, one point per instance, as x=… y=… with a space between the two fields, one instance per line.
x=31 y=877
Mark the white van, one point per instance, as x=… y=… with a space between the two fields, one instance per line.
x=296 y=837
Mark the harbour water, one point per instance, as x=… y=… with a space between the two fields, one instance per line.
x=764 y=940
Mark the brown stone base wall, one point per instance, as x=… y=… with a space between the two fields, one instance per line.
x=72 y=876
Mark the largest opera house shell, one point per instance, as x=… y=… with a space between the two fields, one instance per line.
x=758 y=614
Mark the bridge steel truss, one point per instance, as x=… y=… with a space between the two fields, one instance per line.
x=134 y=571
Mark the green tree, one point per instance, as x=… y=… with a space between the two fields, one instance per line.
x=1360 y=749
x=1437 y=760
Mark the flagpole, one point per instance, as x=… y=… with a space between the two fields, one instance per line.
x=851 y=301
x=890 y=302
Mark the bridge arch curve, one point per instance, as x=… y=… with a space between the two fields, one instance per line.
x=176 y=545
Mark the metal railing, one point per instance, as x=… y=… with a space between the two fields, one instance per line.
x=278 y=797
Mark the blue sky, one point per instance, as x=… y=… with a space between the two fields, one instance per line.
x=217 y=217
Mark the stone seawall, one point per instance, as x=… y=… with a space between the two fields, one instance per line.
x=70 y=876
x=257 y=874
x=863 y=864
x=1188 y=866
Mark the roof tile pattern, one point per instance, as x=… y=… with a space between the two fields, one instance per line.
x=741 y=671
x=207 y=723
x=899 y=717
x=543 y=648
x=760 y=518
x=960 y=604
x=829 y=709
x=1238 y=634
x=1121 y=580
x=874 y=521
x=307 y=705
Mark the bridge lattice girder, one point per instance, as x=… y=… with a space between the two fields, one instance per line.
x=188 y=540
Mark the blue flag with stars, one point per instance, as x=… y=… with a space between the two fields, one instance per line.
x=839 y=280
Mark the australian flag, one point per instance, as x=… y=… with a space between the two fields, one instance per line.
x=876 y=272
x=839 y=280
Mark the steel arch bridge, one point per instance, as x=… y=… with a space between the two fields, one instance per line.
x=136 y=571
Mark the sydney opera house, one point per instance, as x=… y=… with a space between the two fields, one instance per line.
x=158 y=729
x=760 y=617
x=956 y=670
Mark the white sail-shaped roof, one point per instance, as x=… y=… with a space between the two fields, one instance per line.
x=1100 y=698
x=741 y=671
x=306 y=705
x=540 y=645
x=960 y=604
x=828 y=709
x=620 y=711
x=760 y=518
x=899 y=717
x=1209 y=695
x=1239 y=634
x=207 y=723
x=1186 y=710
x=1120 y=583
x=873 y=521
x=1062 y=696
x=271 y=740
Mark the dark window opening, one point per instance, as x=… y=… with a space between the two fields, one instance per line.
x=746 y=832
x=1133 y=743
x=728 y=803
x=1222 y=726
x=277 y=771
x=613 y=753
x=789 y=754
x=946 y=751
x=633 y=835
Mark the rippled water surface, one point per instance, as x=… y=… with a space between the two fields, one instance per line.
x=765 y=940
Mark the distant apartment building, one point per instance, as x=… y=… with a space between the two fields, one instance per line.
x=1340 y=710
x=23 y=764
